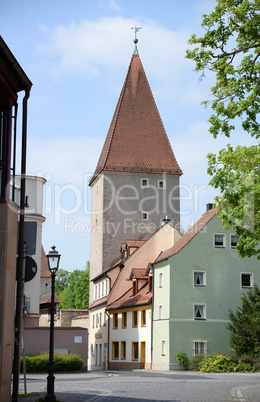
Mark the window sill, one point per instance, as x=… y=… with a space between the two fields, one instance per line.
x=200 y=319
x=199 y=286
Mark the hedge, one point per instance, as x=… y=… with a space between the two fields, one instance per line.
x=62 y=363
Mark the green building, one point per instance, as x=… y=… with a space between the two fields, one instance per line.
x=196 y=282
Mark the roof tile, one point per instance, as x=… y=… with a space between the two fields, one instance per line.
x=136 y=140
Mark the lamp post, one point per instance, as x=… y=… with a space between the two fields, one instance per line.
x=53 y=264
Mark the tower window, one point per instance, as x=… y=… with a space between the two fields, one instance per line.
x=161 y=184
x=144 y=216
x=144 y=183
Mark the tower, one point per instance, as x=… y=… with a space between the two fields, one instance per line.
x=136 y=181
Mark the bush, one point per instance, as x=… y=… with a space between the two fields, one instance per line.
x=62 y=363
x=182 y=359
x=217 y=364
x=195 y=363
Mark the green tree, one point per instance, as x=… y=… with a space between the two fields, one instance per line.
x=61 y=280
x=76 y=294
x=245 y=324
x=230 y=48
x=236 y=172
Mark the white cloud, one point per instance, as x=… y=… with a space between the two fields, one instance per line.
x=64 y=159
x=88 y=47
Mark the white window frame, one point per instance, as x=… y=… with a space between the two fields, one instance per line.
x=251 y=280
x=147 y=215
x=106 y=287
x=233 y=235
x=160 y=310
x=160 y=279
x=163 y=347
x=144 y=185
x=204 y=317
x=164 y=184
x=224 y=240
x=205 y=344
x=102 y=288
x=204 y=278
x=99 y=291
x=95 y=292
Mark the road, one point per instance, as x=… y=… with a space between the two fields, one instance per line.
x=147 y=385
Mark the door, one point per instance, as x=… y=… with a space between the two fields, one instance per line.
x=142 y=355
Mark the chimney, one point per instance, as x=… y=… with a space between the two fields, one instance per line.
x=165 y=220
x=208 y=207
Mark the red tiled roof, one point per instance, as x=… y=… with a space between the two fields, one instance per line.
x=143 y=297
x=46 y=298
x=97 y=303
x=45 y=272
x=135 y=242
x=188 y=236
x=80 y=316
x=138 y=273
x=136 y=140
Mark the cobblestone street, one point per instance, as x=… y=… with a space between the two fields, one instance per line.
x=141 y=385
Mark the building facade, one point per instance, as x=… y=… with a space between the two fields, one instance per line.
x=196 y=282
x=136 y=181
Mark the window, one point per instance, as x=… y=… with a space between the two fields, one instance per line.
x=96 y=320
x=102 y=291
x=199 y=278
x=143 y=318
x=134 y=350
x=95 y=292
x=246 y=280
x=96 y=353
x=144 y=216
x=100 y=354
x=144 y=183
x=134 y=319
x=160 y=312
x=124 y=320
x=219 y=241
x=99 y=290
x=234 y=239
x=161 y=184
x=106 y=286
x=100 y=319
x=115 y=350
x=93 y=326
x=123 y=350
x=160 y=280
x=163 y=348
x=200 y=348
x=115 y=321
x=105 y=319
x=199 y=312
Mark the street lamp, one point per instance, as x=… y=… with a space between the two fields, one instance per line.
x=53 y=264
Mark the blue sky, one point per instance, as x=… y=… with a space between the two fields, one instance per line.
x=77 y=54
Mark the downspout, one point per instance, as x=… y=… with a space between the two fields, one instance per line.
x=152 y=317
x=108 y=331
x=21 y=256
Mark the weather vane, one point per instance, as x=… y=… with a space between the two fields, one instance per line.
x=137 y=29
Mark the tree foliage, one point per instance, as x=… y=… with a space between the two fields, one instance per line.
x=236 y=172
x=245 y=324
x=230 y=48
x=73 y=288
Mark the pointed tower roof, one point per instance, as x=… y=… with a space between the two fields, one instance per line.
x=136 y=141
